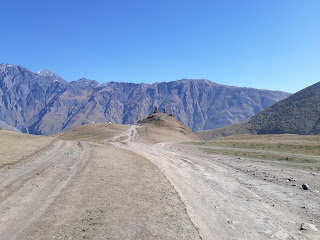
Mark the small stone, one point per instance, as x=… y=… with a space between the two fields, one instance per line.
x=308 y=227
x=305 y=186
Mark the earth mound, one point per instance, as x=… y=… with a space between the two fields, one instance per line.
x=161 y=127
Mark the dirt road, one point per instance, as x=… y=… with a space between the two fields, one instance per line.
x=230 y=198
x=90 y=190
x=28 y=188
x=125 y=187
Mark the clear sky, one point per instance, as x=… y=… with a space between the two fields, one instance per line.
x=268 y=44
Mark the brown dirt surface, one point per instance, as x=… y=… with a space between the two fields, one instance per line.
x=90 y=190
x=118 y=195
x=29 y=187
x=17 y=146
x=232 y=198
x=140 y=184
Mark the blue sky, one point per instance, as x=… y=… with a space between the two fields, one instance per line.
x=268 y=44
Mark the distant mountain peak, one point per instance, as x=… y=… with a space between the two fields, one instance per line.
x=6 y=65
x=48 y=73
x=32 y=102
x=85 y=82
x=3 y=66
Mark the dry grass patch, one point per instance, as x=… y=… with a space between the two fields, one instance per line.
x=309 y=145
x=16 y=146
x=287 y=149
x=93 y=132
x=279 y=158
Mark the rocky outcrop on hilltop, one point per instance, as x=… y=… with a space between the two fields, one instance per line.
x=43 y=103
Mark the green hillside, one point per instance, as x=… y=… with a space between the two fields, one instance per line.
x=297 y=114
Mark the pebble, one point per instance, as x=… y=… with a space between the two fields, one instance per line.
x=305 y=186
x=291 y=179
x=308 y=227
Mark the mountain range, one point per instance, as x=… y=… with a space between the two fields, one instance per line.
x=44 y=103
x=297 y=114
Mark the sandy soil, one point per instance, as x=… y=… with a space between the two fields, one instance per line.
x=231 y=198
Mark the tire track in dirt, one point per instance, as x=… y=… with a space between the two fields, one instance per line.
x=225 y=203
x=28 y=188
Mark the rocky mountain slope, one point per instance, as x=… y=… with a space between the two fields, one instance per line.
x=43 y=103
x=297 y=114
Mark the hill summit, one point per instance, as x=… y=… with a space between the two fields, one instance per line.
x=162 y=127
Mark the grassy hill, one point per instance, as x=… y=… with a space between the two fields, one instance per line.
x=297 y=114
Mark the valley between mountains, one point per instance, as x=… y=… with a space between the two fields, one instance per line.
x=104 y=181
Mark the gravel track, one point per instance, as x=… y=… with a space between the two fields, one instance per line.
x=229 y=198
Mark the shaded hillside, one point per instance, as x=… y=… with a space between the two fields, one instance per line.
x=298 y=114
x=43 y=103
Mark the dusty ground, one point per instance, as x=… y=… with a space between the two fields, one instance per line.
x=118 y=195
x=29 y=187
x=90 y=190
x=232 y=198
x=140 y=183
